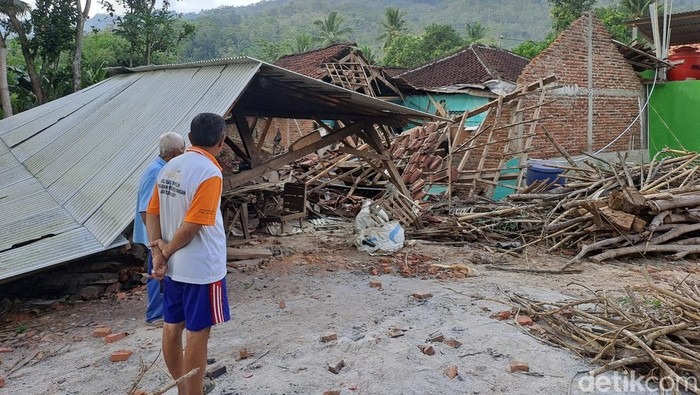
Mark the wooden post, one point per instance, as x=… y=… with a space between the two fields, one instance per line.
x=247 y=139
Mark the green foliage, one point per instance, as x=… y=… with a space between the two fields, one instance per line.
x=614 y=18
x=302 y=42
x=404 y=51
x=409 y=50
x=564 y=12
x=530 y=49
x=54 y=25
x=393 y=25
x=104 y=48
x=154 y=34
x=369 y=53
x=636 y=8
x=476 y=33
x=331 y=30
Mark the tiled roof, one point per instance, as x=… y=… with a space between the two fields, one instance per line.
x=470 y=67
x=311 y=63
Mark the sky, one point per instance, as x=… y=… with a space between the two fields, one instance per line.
x=186 y=5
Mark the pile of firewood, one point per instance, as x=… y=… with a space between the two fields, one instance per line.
x=603 y=208
x=651 y=329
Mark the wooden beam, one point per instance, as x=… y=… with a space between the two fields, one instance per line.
x=362 y=154
x=247 y=138
x=237 y=150
x=241 y=178
x=266 y=128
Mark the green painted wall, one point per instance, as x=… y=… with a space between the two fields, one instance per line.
x=457 y=103
x=674 y=116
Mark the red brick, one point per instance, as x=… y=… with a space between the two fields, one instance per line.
x=331 y=393
x=427 y=350
x=282 y=304
x=140 y=392
x=2 y=382
x=115 y=337
x=102 y=331
x=120 y=355
x=524 y=320
x=6 y=350
x=451 y=371
x=453 y=343
x=518 y=366
x=329 y=336
x=375 y=284
x=502 y=315
x=243 y=353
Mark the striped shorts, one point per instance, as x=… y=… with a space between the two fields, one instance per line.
x=200 y=306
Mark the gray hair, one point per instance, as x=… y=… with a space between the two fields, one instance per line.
x=171 y=142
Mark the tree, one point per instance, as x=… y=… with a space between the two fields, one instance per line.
x=564 y=12
x=82 y=14
x=302 y=42
x=614 y=18
x=369 y=53
x=53 y=24
x=331 y=30
x=408 y=50
x=5 y=31
x=14 y=10
x=149 y=30
x=635 y=9
x=394 y=24
x=476 y=33
x=404 y=51
x=530 y=49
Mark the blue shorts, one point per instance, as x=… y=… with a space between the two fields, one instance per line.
x=200 y=306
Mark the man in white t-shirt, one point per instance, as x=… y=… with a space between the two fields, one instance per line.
x=187 y=234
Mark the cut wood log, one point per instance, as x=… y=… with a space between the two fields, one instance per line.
x=239 y=254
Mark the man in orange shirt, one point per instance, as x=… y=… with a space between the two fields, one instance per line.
x=187 y=234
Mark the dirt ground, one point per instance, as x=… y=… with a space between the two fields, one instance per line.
x=325 y=285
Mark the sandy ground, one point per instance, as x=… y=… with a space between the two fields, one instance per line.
x=324 y=284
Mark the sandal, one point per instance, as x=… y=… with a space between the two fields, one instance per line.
x=208 y=385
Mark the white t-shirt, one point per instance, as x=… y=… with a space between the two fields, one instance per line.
x=189 y=190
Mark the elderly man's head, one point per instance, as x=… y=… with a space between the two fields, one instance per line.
x=171 y=145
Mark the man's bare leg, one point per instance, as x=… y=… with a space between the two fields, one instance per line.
x=196 y=357
x=172 y=353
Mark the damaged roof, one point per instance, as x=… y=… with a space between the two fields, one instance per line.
x=471 y=67
x=69 y=168
x=685 y=28
x=311 y=63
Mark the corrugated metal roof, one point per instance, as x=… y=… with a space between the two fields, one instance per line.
x=69 y=169
x=685 y=27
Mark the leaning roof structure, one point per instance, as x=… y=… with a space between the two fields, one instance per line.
x=475 y=67
x=69 y=169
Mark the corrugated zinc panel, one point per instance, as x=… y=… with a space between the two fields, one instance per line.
x=117 y=212
x=105 y=167
x=9 y=124
x=20 y=190
x=40 y=123
x=29 y=205
x=38 y=225
x=64 y=126
x=12 y=175
x=47 y=252
x=77 y=141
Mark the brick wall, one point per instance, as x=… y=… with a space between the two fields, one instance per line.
x=616 y=90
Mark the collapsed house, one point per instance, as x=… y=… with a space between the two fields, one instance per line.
x=463 y=81
x=70 y=168
x=591 y=106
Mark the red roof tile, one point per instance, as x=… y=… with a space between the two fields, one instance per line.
x=311 y=63
x=471 y=67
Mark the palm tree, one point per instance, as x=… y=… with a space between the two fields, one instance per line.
x=369 y=53
x=13 y=10
x=302 y=42
x=636 y=8
x=331 y=29
x=476 y=33
x=393 y=25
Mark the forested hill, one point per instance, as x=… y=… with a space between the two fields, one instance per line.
x=270 y=27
